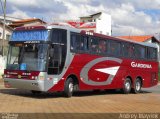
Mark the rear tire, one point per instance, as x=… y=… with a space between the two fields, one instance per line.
x=69 y=87
x=137 y=86
x=127 y=86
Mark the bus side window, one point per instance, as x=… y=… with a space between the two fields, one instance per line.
x=73 y=42
x=84 y=43
x=125 y=50
x=152 y=53
x=143 y=52
x=114 y=48
x=94 y=45
x=130 y=51
x=140 y=52
x=102 y=46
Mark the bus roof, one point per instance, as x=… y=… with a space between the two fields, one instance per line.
x=119 y=39
x=72 y=29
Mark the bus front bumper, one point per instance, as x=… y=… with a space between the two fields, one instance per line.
x=37 y=85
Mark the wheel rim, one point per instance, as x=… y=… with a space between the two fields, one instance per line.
x=70 y=87
x=127 y=86
x=138 y=85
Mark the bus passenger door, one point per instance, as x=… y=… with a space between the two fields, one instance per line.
x=55 y=59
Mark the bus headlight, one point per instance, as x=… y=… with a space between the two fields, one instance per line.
x=41 y=76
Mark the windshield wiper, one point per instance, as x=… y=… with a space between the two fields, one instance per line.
x=15 y=60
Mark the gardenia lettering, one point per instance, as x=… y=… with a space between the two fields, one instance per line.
x=138 y=65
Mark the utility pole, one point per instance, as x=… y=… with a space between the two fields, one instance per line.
x=4 y=27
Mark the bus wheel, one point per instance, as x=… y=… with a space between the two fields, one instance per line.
x=137 y=86
x=69 y=86
x=35 y=92
x=127 y=86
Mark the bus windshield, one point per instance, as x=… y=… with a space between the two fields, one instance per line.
x=30 y=57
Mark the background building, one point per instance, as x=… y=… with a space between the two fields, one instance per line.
x=98 y=22
x=9 y=19
x=27 y=22
x=8 y=31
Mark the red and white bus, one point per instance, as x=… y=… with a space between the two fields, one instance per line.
x=59 y=58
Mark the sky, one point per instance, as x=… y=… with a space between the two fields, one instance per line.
x=129 y=17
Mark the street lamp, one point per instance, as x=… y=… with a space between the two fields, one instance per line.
x=4 y=25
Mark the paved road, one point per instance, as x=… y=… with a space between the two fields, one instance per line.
x=23 y=101
x=155 y=89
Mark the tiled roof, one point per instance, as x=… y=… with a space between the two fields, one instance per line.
x=137 y=38
x=28 y=20
x=25 y=21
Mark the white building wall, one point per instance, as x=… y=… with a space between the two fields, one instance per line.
x=103 y=24
x=7 y=32
x=2 y=65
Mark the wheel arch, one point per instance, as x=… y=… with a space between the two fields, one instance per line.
x=130 y=78
x=75 y=81
x=141 y=79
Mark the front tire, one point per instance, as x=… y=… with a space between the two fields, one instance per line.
x=127 y=86
x=137 y=86
x=69 y=87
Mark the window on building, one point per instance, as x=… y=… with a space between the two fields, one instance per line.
x=8 y=37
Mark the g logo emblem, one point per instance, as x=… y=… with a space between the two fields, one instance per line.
x=87 y=67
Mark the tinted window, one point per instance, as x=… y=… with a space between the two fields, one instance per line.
x=127 y=50
x=98 y=46
x=58 y=36
x=114 y=48
x=94 y=45
x=84 y=43
x=152 y=53
x=75 y=42
x=79 y=43
x=103 y=46
x=140 y=52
